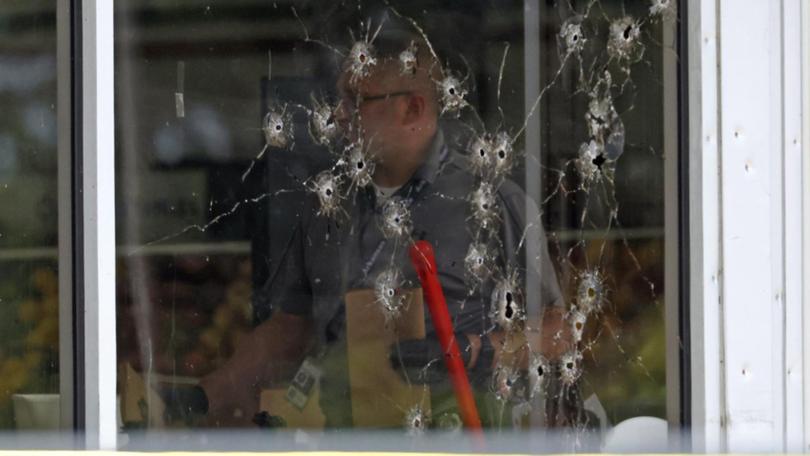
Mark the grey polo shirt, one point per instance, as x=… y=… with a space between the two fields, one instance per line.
x=325 y=257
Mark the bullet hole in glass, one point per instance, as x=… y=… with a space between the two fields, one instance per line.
x=599 y=160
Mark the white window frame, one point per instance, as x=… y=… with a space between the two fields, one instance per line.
x=805 y=184
x=745 y=152
x=86 y=138
x=746 y=304
x=98 y=187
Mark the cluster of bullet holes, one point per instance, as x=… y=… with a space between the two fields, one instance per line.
x=492 y=157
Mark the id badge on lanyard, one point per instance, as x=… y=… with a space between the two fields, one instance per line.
x=303 y=384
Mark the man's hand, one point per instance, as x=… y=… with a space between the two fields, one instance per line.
x=551 y=337
x=264 y=357
x=422 y=360
x=183 y=402
x=555 y=337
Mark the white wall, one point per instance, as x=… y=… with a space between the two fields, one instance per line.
x=746 y=224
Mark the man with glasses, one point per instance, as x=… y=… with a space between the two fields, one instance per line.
x=394 y=112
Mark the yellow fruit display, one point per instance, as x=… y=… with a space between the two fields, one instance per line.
x=34 y=339
x=29 y=311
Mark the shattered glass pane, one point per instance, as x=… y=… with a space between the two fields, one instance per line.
x=278 y=129
x=270 y=266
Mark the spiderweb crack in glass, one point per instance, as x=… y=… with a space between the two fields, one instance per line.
x=396 y=218
x=359 y=164
x=361 y=56
x=662 y=8
x=478 y=262
x=591 y=292
x=624 y=42
x=492 y=157
x=484 y=206
x=325 y=186
x=571 y=367
x=504 y=382
x=538 y=374
x=323 y=127
x=407 y=59
x=577 y=320
x=361 y=60
x=388 y=295
x=507 y=302
x=452 y=92
x=415 y=421
x=572 y=40
x=278 y=128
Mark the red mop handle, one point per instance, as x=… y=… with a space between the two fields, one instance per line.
x=425 y=263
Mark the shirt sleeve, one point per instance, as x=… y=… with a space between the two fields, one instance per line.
x=525 y=248
x=288 y=289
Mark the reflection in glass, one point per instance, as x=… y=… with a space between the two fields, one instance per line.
x=29 y=296
x=264 y=229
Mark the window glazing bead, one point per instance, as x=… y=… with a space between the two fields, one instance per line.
x=278 y=128
x=396 y=218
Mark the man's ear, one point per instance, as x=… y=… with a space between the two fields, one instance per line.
x=414 y=109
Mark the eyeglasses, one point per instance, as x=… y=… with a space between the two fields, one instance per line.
x=353 y=102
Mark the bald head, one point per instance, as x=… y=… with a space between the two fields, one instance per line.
x=389 y=99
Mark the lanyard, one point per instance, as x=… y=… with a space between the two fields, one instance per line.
x=413 y=195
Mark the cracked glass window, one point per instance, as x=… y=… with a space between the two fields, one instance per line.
x=414 y=216
x=29 y=291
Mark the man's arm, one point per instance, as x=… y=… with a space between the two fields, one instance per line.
x=273 y=350
x=550 y=337
x=524 y=245
x=268 y=354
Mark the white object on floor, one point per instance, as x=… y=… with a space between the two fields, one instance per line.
x=36 y=411
x=642 y=434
